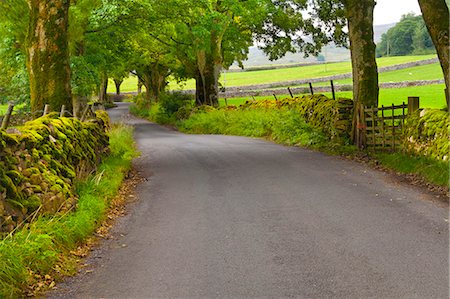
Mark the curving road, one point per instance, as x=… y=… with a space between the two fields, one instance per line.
x=235 y=217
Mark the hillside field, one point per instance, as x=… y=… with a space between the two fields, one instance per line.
x=431 y=96
x=305 y=72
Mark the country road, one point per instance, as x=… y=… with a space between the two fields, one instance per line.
x=234 y=217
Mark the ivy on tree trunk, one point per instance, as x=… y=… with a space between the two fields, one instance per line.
x=48 y=55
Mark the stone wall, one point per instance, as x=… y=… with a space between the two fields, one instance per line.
x=41 y=160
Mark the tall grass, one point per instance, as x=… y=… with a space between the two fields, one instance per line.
x=39 y=248
x=282 y=126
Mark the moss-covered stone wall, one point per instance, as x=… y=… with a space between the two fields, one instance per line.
x=333 y=117
x=427 y=133
x=40 y=161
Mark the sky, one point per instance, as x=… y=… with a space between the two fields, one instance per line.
x=390 y=11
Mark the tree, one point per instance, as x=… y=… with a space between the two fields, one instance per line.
x=409 y=36
x=48 y=54
x=208 y=36
x=289 y=30
x=436 y=16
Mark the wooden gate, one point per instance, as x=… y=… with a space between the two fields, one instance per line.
x=383 y=126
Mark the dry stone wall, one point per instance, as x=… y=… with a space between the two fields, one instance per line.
x=41 y=160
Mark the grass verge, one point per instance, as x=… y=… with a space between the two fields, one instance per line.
x=433 y=171
x=282 y=126
x=40 y=252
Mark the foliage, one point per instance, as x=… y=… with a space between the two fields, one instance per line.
x=171 y=102
x=409 y=36
x=332 y=117
x=14 y=82
x=427 y=133
x=40 y=162
x=171 y=107
x=42 y=248
x=283 y=126
x=85 y=77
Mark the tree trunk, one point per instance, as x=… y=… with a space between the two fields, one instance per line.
x=139 y=90
x=48 y=55
x=209 y=68
x=103 y=92
x=211 y=81
x=79 y=102
x=362 y=47
x=359 y=14
x=436 y=16
x=159 y=74
x=147 y=81
x=118 y=82
x=199 y=90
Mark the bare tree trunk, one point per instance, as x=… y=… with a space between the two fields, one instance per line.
x=48 y=54
x=147 y=81
x=436 y=16
x=139 y=86
x=359 y=14
x=159 y=74
x=118 y=82
x=364 y=66
x=103 y=94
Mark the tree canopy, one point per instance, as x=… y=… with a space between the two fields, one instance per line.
x=180 y=39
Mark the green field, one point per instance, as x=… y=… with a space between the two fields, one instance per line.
x=305 y=72
x=431 y=96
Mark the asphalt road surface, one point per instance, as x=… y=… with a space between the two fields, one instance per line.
x=234 y=217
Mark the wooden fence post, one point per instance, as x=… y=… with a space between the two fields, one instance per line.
x=46 y=109
x=85 y=112
x=311 y=88
x=63 y=111
x=332 y=90
x=290 y=92
x=413 y=104
x=447 y=97
x=5 y=122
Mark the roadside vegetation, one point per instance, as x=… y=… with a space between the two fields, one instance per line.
x=39 y=253
x=275 y=121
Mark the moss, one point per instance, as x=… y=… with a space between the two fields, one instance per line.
x=427 y=133
x=48 y=150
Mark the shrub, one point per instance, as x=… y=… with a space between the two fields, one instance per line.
x=171 y=102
